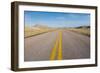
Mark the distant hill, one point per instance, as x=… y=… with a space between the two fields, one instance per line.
x=40 y=26
x=83 y=27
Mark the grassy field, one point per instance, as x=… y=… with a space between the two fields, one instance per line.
x=84 y=31
x=35 y=31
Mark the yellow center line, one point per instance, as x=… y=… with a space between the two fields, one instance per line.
x=60 y=47
x=57 y=47
x=53 y=53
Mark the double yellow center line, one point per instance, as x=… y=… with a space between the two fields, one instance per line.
x=57 y=49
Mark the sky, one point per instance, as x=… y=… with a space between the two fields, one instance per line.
x=56 y=19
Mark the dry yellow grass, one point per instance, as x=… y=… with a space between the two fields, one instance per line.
x=84 y=31
x=34 y=31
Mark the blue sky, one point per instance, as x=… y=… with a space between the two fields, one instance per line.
x=56 y=19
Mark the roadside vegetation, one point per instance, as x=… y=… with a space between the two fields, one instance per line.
x=85 y=30
x=36 y=30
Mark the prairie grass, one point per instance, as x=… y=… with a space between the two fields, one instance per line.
x=35 y=31
x=84 y=31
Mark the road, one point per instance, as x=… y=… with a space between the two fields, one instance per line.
x=57 y=45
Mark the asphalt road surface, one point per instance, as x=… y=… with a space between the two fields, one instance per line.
x=57 y=45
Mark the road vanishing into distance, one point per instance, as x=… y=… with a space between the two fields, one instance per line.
x=57 y=45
